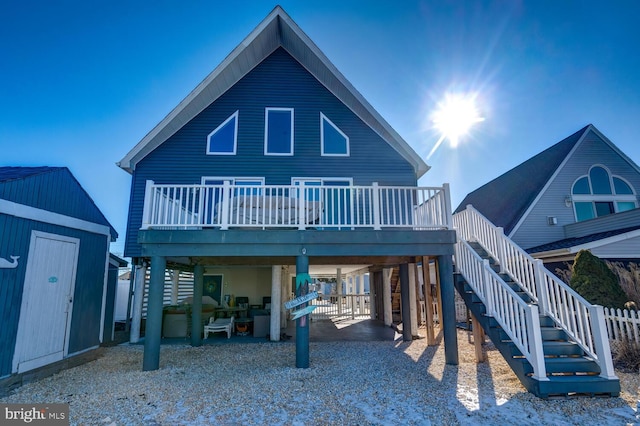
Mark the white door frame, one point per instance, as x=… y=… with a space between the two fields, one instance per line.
x=22 y=333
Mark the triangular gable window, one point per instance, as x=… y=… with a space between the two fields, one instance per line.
x=224 y=139
x=333 y=141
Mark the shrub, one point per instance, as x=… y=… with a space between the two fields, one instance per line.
x=594 y=281
x=629 y=278
x=626 y=357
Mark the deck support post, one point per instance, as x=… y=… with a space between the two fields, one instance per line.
x=428 y=300
x=140 y=273
x=405 y=302
x=413 y=300
x=478 y=339
x=448 y=311
x=276 y=302
x=175 y=283
x=153 y=329
x=339 y=291
x=302 y=323
x=386 y=296
x=196 y=311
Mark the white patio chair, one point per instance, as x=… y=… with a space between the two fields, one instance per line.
x=217 y=325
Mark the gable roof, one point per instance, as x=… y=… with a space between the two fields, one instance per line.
x=10 y=173
x=276 y=30
x=505 y=199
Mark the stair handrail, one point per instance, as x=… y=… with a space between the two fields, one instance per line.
x=519 y=320
x=512 y=260
x=581 y=320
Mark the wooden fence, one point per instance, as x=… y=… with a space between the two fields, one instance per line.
x=623 y=325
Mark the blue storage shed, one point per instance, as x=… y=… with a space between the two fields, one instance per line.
x=54 y=259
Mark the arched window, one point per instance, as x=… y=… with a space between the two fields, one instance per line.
x=599 y=194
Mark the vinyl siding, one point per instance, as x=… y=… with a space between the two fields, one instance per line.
x=622 y=220
x=279 y=81
x=15 y=235
x=592 y=150
x=625 y=249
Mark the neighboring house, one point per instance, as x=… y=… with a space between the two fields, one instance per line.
x=581 y=193
x=54 y=256
x=276 y=160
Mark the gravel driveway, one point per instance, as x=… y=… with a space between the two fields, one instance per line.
x=348 y=383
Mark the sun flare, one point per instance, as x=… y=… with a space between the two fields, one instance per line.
x=455 y=116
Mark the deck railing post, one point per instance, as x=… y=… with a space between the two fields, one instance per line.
x=535 y=343
x=470 y=222
x=541 y=288
x=448 y=216
x=502 y=254
x=226 y=205
x=487 y=289
x=302 y=201
x=148 y=198
x=601 y=341
x=376 y=206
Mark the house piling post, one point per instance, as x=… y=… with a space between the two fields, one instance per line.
x=386 y=295
x=276 y=302
x=428 y=301
x=448 y=311
x=413 y=300
x=140 y=272
x=302 y=323
x=407 y=332
x=153 y=329
x=196 y=311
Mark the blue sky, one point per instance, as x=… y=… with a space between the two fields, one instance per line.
x=82 y=82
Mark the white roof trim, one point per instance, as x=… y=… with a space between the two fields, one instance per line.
x=33 y=213
x=589 y=246
x=273 y=32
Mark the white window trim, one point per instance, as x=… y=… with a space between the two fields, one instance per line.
x=606 y=198
x=331 y=123
x=266 y=131
x=235 y=135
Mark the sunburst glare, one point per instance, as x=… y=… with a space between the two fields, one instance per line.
x=454 y=117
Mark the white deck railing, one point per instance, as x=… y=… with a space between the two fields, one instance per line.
x=519 y=320
x=341 y=306
x=581 y=320
x=302 y=207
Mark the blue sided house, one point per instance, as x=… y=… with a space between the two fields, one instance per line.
x=54 y=260
x=275 y=170
x=276 y=167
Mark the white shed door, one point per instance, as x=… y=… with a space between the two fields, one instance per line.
x=47 y=300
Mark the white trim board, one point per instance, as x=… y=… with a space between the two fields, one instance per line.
x=589 y=246
x=45 y=216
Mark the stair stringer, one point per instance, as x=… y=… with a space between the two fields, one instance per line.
x=556 y=385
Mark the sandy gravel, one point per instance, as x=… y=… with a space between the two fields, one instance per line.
x=348 y=383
